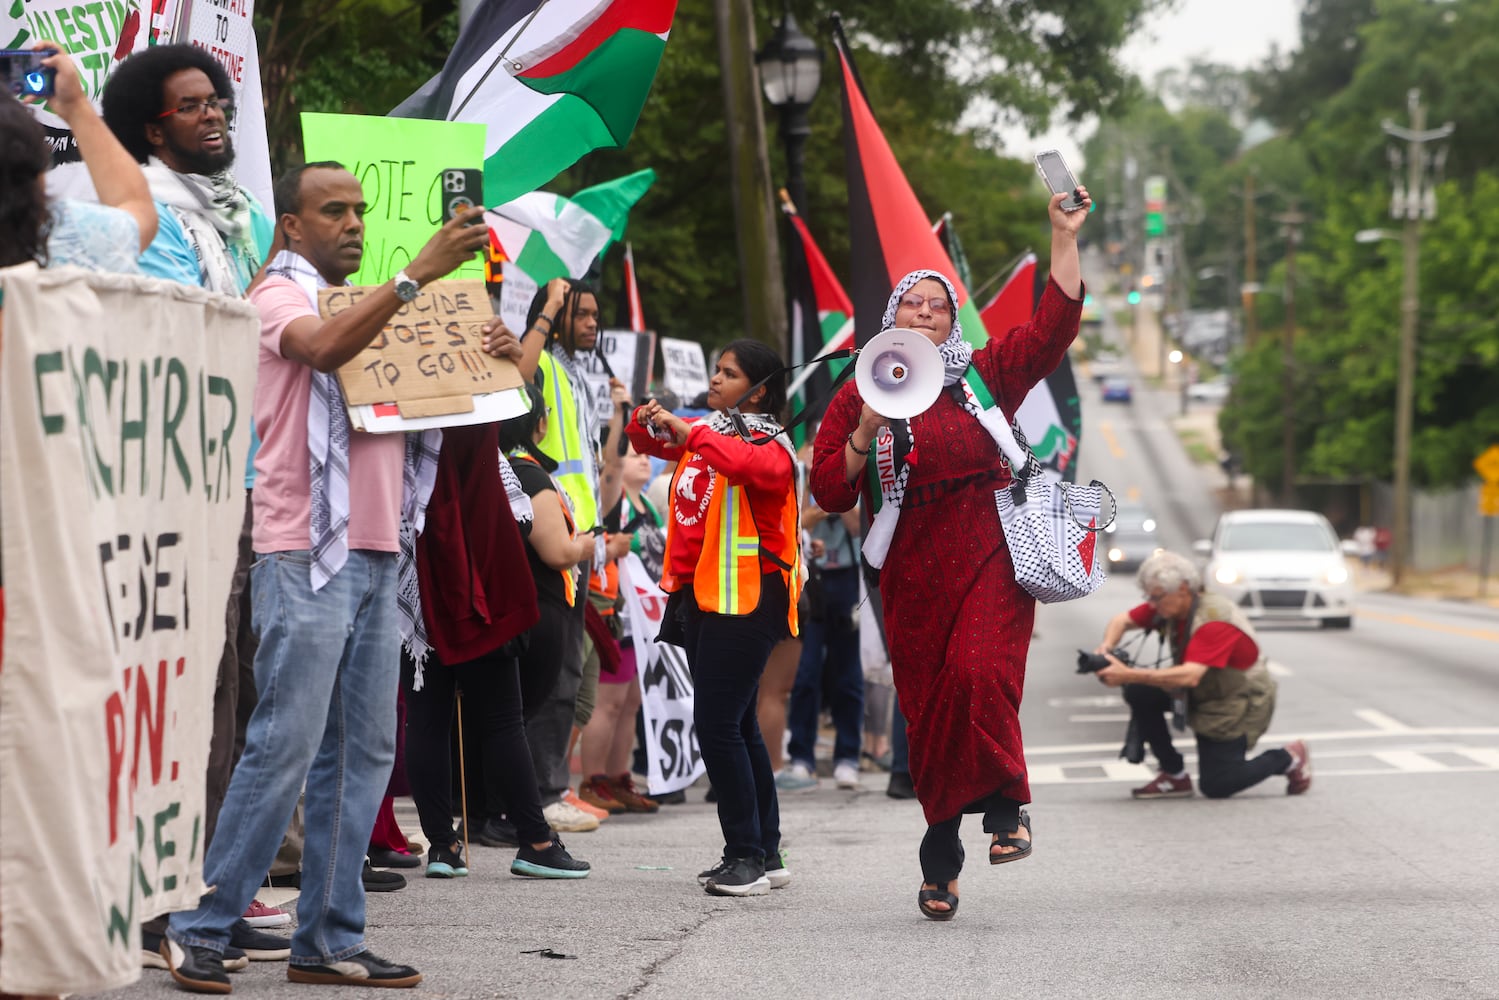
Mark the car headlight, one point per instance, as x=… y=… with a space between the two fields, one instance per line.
x=1116 y=555
x=1226 y=575
x=1149 y=524
x=1337 y=575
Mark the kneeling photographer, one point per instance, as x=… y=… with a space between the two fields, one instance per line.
x=1229 y=691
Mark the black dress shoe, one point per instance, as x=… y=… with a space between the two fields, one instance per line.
x=900 y=786
x=363 y=969
x=675 y=798
x=376 y=880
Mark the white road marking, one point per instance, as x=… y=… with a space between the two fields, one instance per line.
x=1117 y=717
x=1092 y=701
x=1409 y=761
x=1278 y=669
x=1486 y=756
x=1380 y=721
x=1274 y=739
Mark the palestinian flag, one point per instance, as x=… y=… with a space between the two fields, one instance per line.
x=632 y=307
x=549 y=236
x=888 y=228
x=954 y=247
x=822 y=317
x=552 y=79
x=1050 y=416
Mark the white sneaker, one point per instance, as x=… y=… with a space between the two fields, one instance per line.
x=565 y=818
x=846 y=774
x=796 y=778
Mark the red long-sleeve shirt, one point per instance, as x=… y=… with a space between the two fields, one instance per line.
x=764 y=471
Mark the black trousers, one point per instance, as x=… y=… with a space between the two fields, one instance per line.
x=1148 y=708
x=727 y=655
x=492 y=691
x=942 y=849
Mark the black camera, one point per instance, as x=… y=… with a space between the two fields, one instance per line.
x=1092 y=663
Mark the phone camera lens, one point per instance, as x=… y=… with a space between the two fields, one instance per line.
x=36 y=82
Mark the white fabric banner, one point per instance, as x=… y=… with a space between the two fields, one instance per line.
x=685 y=370
x=124 y=422
x=671 y=751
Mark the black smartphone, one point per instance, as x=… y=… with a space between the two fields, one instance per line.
x=23 y=75
x=1059 y=178
x=461 y=191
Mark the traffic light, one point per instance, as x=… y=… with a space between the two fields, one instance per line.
x=1155 y=206
x=1134 y=298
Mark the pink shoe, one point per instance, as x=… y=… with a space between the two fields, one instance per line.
x=1163 y=786
x=261 y=915
x=1299 y=777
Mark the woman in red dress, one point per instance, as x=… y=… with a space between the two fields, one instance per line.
x=957 y=623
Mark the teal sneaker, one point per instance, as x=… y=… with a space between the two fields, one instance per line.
x=552 y=861
x=446 y=862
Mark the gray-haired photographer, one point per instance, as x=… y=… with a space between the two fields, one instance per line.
x=1217 y=663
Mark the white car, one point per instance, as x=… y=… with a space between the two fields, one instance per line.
x=1282 y=565
x=1212 y=391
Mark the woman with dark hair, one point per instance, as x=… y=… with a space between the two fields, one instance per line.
x=103 y=237
x=957 y=622
x=733 y=571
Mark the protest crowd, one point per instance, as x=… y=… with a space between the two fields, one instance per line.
x=464 y=554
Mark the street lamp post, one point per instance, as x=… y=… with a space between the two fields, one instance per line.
x=1414 y=201
x=790 y=72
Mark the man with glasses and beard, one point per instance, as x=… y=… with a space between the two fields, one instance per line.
x=170 y=107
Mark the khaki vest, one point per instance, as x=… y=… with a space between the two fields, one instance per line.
x=1228 y=703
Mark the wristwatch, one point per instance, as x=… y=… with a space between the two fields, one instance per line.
x=406 y=286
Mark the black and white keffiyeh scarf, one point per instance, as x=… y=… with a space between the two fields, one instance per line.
x=214 y=212
x=893 y=445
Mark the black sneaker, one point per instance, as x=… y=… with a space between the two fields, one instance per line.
x=446 y=862
x=382 y=857
x=498 y=832
x=776 y=870
x=551 y=861
x=742 y=877
x=197 y=970
x=363 y=969
x=376 y=880
x=719 y=869
x=257 y=945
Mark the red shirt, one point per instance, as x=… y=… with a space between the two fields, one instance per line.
x=1214 y=644
x=764 y=471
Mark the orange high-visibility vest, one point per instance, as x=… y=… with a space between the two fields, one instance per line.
x=606 y=585
x=569 y=583
x=726 y=578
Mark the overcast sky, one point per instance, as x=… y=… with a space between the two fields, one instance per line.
x=1224 y=31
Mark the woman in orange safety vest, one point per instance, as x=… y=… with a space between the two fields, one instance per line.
x=732 y=566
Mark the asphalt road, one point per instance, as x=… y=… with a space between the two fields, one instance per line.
x=1381 y=882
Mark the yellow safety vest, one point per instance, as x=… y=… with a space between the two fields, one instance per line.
x=564 y=445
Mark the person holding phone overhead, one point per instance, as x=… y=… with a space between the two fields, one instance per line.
x=957 y=622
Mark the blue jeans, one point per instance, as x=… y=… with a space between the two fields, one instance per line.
x=830 y=645
x=326 y=671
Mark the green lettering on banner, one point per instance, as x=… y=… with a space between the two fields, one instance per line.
x=404 y=195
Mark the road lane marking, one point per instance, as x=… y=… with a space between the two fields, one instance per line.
x=1278 y=669
x=1100 y=717
x=1331 y=735
x=1484 y=634
x=1091 y=701
x=1409 y=760
x=1480 y=755
x=1106 y=429
x=1380 y=721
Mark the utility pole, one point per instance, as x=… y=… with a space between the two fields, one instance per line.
x=1415 y=201
x=1291 y=221
x=760 y=274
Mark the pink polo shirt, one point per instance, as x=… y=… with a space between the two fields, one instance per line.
x=282 y=492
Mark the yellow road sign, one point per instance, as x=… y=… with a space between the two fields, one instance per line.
x=1487 y=464
x=1488 y=500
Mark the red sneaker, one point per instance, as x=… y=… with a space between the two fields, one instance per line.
x=1163 y=786
x=261 y=915
x=1299 y=776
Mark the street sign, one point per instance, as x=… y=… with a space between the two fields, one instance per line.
x=1488 y=500
x=1487 y=464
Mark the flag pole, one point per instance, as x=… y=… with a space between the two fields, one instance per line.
x=1008 y=270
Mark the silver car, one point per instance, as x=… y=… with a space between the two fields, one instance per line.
x=1131 y=538
x=1280 y=565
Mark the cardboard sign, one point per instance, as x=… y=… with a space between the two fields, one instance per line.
x=628 y=355
x=428 y=360
x=399 y=163
x=122 y=479
x=686 y=371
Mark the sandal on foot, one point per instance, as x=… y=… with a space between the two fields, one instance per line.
x=928 y=896
x=1010 y=840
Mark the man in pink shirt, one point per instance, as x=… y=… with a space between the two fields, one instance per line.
x=328 y=505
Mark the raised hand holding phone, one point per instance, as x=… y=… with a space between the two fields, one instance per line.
x=1059 y=178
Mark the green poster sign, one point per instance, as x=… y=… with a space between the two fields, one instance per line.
x=399 y=162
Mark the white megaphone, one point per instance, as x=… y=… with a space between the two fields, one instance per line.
x=899 y=373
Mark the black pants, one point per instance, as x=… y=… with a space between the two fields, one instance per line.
x=1222 y=769
x=1148 y=707
x=941 y=848
x=492 y=686
x=727 y=655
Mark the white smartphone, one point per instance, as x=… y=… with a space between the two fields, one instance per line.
x=1058 y=178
